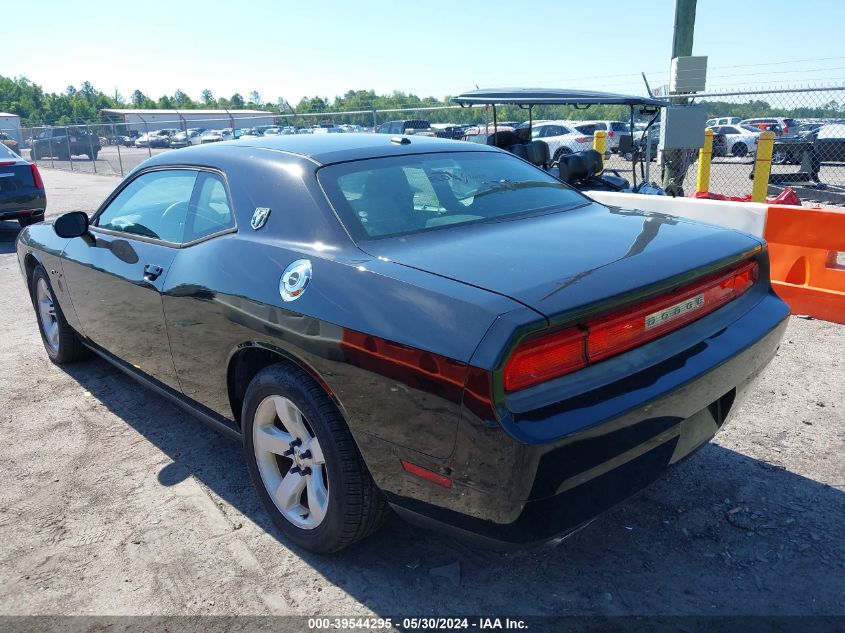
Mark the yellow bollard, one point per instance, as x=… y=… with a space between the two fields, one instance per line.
x=762 y=166
x=599 y=143
x=705 y=155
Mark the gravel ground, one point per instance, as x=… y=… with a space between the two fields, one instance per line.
x=116 y=502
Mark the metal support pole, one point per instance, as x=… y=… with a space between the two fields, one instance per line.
x=91 y=148
x=67 y=142
x=705 y=156
x=675 y=162
x=762 y=166
x=600 y=144
x=119 y=158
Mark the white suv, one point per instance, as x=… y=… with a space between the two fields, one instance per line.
x=562 y=137
x=614 y=130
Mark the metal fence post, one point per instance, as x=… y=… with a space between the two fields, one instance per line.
x=67 y=143
x=93 y=155
x=705 y=155
x=762 y=166
x=119 y=158
x=600 y=143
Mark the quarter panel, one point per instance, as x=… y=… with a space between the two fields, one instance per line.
x=223 y=294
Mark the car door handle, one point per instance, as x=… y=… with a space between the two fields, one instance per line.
x=152 y=272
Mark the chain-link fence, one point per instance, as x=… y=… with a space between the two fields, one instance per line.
x=808 y=123
x=808 y=154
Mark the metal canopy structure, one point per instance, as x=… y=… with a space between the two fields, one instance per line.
x=551 y=96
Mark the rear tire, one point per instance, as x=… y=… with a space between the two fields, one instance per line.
x=739 y=150
x=60 y=341
x=335 y=502
x=31 y=219
x=560 y=152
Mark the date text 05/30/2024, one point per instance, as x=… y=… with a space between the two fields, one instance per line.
x=414 y=624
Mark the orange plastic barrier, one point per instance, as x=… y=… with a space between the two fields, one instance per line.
x=807 y=252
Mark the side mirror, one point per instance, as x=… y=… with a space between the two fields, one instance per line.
x=73 y=224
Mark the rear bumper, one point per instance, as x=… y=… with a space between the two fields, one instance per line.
x=580 y=457
x=22 y=205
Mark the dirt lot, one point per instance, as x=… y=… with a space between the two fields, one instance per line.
x=116 y=502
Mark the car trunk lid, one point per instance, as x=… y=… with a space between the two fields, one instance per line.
x=560 y=262
x=15 y=176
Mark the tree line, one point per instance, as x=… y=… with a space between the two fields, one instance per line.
x=36 y=107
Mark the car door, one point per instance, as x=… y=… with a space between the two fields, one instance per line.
x=115 y=277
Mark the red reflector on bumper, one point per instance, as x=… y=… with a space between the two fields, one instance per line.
x=427 y=474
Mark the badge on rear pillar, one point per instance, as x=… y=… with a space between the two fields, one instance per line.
x=259 y=217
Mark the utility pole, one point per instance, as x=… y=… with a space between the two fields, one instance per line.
x=675 y=161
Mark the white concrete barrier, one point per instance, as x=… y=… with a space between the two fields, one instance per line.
x=743 y=216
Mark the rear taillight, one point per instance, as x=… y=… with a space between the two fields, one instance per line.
x=583 y=139
x=545 y=358
x=610 y=134
x=553 y=355
x=36 y=177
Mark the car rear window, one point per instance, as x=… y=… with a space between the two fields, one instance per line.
x=588 y=128
x=382 y=197
x=618 y=126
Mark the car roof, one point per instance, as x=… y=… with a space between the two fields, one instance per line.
x=333 y=148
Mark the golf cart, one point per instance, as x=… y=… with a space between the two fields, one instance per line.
x=583 y=169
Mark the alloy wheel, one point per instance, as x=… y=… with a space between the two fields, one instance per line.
x=47 y=314
x=290 y=461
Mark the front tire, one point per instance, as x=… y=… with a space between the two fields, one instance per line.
x=60 y=341
x=301 y=457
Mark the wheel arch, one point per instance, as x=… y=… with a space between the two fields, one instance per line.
x=249 y=358
x=30 y=261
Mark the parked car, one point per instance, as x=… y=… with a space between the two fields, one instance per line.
x=248 y=132
x=120 y=139
x=9 y=142
x=22 y=195
x=156 y=138
x=355 y=310
x=412 y=126
x=64 y=142
x=562 y=137
x=612 y=129
x=740 y=140
x=188 y=137
x=215 y=136
x=448 y=130
x=725 y=120
x=785 y=126
x=830 y=143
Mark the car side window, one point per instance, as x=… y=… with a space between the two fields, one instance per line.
x=155 y=204
x=210 y=212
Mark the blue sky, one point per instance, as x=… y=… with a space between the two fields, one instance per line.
x=291 y=49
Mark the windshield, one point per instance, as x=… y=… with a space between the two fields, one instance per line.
x=392 y=196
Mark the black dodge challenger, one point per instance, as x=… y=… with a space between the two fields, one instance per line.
x=420 y=324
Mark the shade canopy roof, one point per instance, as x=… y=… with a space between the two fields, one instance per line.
x=551 y=96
